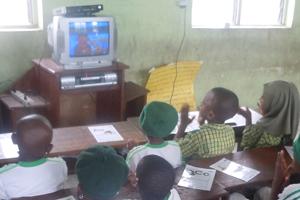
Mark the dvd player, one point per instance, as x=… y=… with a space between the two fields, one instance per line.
x=78 y=11
x=75 y=82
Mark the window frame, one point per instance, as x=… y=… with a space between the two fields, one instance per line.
x=35 y=18
x=286 y=18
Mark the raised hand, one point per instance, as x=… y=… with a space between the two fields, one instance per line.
x=247 y=114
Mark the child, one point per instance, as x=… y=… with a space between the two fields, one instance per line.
x=214 y=138
x=157 y=120
x=155 y=179
x=34 y=174
x=279 y=106
x=101 y=173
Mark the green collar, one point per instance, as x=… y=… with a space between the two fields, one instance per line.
x=163 y=144
x=167 y=197
x=33 y=163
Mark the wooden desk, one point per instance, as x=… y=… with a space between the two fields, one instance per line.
x=71 y=141
x=12 y=109
x=261 y=159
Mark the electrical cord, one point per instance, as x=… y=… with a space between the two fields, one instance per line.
x=178 y=54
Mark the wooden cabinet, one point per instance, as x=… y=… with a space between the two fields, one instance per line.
x=80 y=106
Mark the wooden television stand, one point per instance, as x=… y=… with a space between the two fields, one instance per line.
x=79 y=106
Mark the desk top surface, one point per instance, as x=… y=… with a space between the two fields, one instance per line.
x=72 y=140
x=262 y=159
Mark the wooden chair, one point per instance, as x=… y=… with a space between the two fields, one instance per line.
x=162 y=80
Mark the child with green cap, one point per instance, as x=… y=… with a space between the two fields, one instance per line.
x=157 y=120
x=101 y=173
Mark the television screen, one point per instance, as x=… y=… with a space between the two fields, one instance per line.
x=88 y=38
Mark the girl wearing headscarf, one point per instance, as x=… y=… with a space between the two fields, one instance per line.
x=279 y=106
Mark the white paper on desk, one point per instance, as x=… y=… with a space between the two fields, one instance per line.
x=194 y=125
x=239 y=120
x=234 y=169
x=290 y=151
x=105 y=133
x=67 y=198
x=7 y=148
x=197 y=178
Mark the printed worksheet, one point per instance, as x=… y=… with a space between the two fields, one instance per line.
x=67 y=198
x=197 y=178
x=105 y=133
x=234 y=169
x=289 y=149
x=7 y=148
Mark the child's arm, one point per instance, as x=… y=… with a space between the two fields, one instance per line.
x=247 y=114
x=184 y=121
x=280 y=175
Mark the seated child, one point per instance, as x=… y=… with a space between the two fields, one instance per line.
x=279 y=106
x=34 y=174
x=213 y=138
x=101 y=173
x=156 y=179
x=157 y=120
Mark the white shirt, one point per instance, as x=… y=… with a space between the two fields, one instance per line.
x=169 y=150
x=25 y=179
x=290 y=192
x=174 y=195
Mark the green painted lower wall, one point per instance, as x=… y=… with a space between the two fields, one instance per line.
x=149 y=34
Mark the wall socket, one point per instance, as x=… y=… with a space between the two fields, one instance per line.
x=182 y=3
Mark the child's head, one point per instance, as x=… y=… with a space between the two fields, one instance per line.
x=218 y=105
x=277 y=95
x=279 y=105
x=33 y=137
x=158 y=119
x=155 y=178
x=101 y=172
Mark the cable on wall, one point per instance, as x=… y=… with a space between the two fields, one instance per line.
x=178 y=53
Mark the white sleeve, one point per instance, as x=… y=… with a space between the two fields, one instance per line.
x=3 y=194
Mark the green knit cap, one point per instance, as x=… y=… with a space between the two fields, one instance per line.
x=101 y=172
x=158 y=119
x=296 y=149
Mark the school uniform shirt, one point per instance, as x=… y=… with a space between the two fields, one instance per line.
x=209 y=141
x=290 y=192
x=169 y=150
x=255 y=136
x=173 y=195
x=26 y=179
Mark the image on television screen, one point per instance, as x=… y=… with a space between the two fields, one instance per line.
x=88 y=39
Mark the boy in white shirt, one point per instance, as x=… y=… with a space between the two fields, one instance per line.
x=156 y=178
x=157 y=120
x=34 y=174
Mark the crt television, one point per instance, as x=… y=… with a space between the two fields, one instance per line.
x=83 y=42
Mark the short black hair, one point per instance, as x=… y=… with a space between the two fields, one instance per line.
x=294 y=178
x=227 y=103
x=156 y=177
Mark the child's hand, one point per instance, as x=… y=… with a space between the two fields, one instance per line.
x=133 y=180
x=247 y=114
x=184 y=115
x=130 y=144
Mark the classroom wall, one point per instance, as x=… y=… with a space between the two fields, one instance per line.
x=149 y=34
